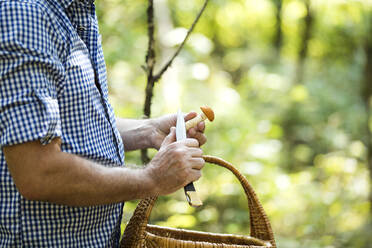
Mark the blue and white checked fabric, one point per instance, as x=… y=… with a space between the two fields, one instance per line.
x=53 y=84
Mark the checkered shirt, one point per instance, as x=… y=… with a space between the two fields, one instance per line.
x=53 y=84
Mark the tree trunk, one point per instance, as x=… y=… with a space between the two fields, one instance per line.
x=277 y=41
x=303 y=52
x=367 y=97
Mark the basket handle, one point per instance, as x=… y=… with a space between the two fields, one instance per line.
x=259 y=223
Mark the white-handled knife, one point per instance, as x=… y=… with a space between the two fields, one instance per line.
x=190 y=192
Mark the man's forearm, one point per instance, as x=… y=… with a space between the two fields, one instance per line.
x=87 y=183
x=45 y=173
x=136 y=134
x=62 y=178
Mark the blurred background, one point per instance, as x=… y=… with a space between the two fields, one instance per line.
x=290 y=82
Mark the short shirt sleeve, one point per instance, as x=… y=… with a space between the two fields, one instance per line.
x=30 y=75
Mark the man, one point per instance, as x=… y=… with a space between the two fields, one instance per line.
x=61 y=180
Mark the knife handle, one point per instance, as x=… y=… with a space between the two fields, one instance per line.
x=191 y=195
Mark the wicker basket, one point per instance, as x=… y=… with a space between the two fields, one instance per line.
x=139 y=234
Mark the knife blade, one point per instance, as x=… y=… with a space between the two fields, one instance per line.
x=190 y=192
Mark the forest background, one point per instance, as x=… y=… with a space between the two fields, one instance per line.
x=290 y=82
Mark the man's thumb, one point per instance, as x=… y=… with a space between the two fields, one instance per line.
x=170 y=138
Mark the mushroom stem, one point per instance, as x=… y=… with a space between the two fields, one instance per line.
x=193 y=122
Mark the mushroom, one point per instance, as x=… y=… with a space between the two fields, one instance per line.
x=207 y=113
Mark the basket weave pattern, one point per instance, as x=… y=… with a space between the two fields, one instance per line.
x=139 y=234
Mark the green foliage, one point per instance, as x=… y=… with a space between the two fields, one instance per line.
x=300 y=145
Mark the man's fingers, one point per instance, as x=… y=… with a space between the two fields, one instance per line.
x=197 y=132
x=191 y=142
x=201 y=126
x=196 y=174
x=196 y=152
x=197 y=163
x=190 y=116
x=170 y=138
x=201 y=138
x=197 y=135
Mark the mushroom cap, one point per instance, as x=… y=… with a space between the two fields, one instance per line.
x=208 y=112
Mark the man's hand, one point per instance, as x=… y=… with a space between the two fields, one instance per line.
x=175 y=165
x=163 y=124
x=150 y=133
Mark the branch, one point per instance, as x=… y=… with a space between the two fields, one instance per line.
x=151 y=61
x=167 y=65
x=150 y=56
x=149 y=68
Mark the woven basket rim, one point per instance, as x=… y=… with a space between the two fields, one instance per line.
x=155 y=229
x=151 y=236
